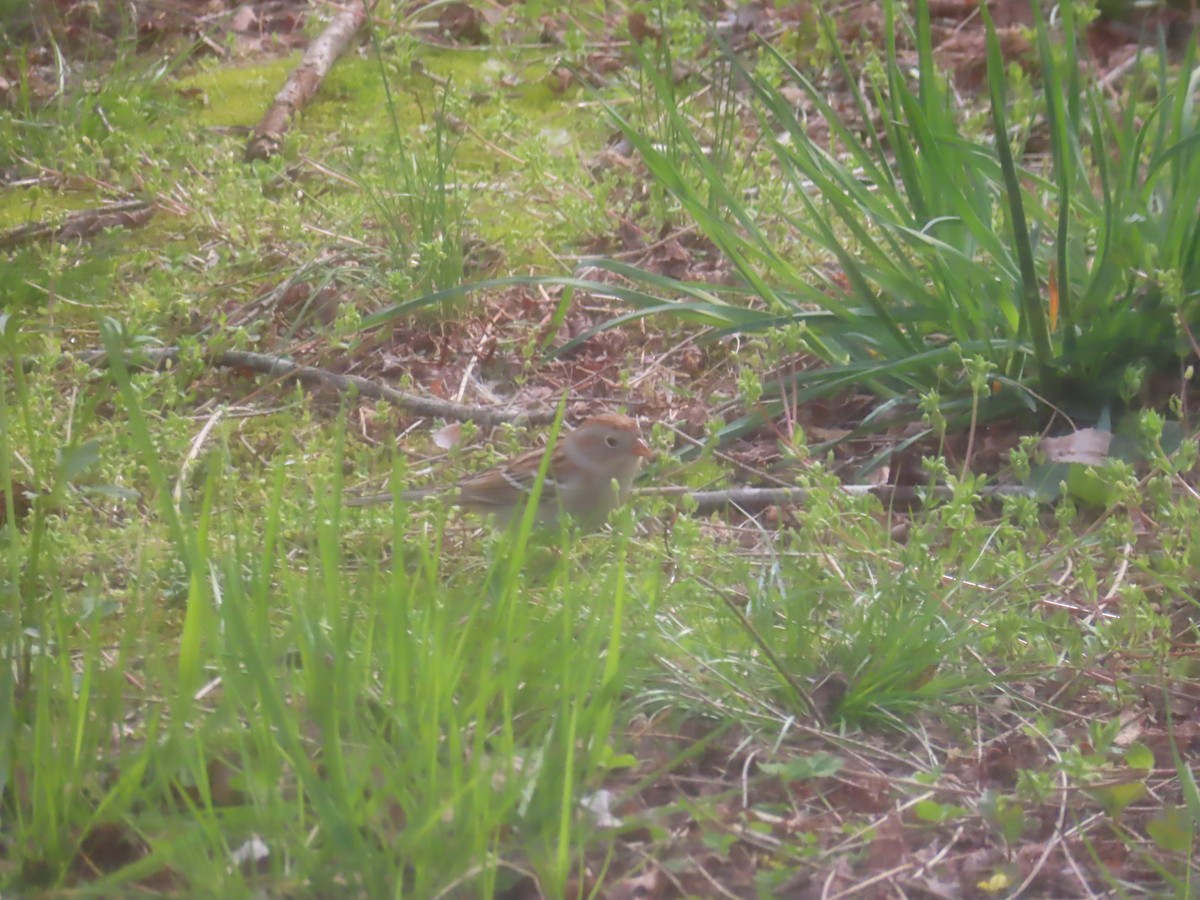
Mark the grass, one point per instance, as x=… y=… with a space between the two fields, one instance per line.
x=216 y=680
x=952 y=254
x=369 y=693
x=337 y=685
x=385 y=699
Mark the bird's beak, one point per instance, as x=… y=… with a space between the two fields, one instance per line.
x=641 y=449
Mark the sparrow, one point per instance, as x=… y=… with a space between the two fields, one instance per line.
x=591 y=473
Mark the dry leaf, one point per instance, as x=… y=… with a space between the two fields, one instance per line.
x=244 y=20
x=640 y=28
x=250 y=855
x=600 y=805
x=1088 y=446
x=448 y=436
x=637 y=886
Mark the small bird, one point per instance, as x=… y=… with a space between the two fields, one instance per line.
x=591 y=473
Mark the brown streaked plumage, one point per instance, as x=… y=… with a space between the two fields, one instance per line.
x=590 y=474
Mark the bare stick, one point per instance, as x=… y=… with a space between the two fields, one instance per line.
x=82 y=223
x=757 y=498
x=742 y=497
x=194 y=452
x=417 y=404
x=304 y=81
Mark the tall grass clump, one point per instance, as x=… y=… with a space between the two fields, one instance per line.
x=410 y=192
x=1067 y=280
x=280 y=697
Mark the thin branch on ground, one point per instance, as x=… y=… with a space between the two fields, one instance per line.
x=285 y=369
x=757 y=498
x=305 y=80
x=82 y=223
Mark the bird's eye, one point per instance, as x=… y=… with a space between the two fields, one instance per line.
x=611 y=441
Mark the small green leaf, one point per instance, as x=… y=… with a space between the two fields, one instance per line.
x=1172 y=830
x=819 y=765
x=1045 y=480
x=1087 y=485
x=719 y=842
x=1118 y=797
x=1011 y=819
x=1139 y=756
x=621 y=761
x=79 y=458
x=998 y=883
x=932 y=811
x=111 y=490
x=1006 y=814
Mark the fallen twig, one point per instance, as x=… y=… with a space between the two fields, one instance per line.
x=757 y=498
x=304 y=81
x=82 y=223
x=745 y=497
x=420 y=405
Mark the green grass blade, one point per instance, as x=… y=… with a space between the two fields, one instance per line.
x=1032 y=312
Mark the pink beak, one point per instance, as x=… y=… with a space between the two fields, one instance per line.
x=640 y=449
